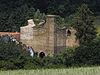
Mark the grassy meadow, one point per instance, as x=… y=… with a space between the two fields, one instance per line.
x=69 y=71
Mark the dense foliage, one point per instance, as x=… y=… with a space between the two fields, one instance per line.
x=49 y=6
x=83 y=23
x=88 y=54
x=15 y=13
x=10 y=55
x=11 y=22
x=13 y=56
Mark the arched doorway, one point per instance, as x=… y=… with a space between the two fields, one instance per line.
x=42 y=54
x=68 y=32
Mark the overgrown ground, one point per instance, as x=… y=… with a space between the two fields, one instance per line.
x=70 y=71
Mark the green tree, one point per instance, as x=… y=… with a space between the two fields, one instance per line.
x=20 y=16
x=83 y=23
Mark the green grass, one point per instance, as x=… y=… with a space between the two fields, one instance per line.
x=70 y=71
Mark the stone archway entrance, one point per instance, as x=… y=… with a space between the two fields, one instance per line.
x=41 y=54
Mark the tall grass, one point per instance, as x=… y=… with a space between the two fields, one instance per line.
x=70 y=71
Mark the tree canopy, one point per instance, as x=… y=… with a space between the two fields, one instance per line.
x=83 y=23
x=14 y=13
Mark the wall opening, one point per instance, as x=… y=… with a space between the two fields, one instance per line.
x=42 y=54
x=68 y=33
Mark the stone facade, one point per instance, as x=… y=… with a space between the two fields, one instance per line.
x=71 y=40
x=49 y=39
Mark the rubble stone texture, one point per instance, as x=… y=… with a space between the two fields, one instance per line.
x=49 y=39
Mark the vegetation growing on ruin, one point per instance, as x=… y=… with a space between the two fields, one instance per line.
x=39 y=17
x=60 y=21
x=38 y=26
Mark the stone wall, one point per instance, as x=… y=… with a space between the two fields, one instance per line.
x=61 y=40
x=49 y=39
x=26 y=35
x=71 y=39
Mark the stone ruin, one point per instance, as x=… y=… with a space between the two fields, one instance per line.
x=50 y=39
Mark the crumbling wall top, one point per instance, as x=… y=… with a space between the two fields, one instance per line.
x=51 y=16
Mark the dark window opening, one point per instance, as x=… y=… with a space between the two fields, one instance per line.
x=42 y=54
x=68 y=33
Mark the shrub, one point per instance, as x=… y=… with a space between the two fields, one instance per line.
x=12 y=54
x=68 y=56
x=33 y=63
x=88 y=54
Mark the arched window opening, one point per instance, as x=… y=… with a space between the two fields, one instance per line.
x=42 y=54
x=68 y=33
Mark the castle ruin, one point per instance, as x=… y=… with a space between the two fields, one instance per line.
x=50 y=39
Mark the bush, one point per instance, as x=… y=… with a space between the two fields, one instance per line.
x=12 y=55
x=88 y=54
x=62 y=60
x=33 y=63
x=68 y=56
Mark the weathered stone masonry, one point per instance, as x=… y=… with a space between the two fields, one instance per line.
x=50 y=39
